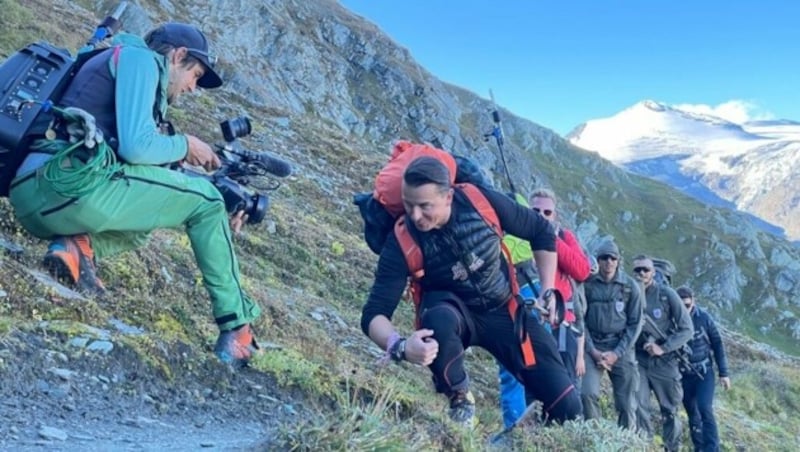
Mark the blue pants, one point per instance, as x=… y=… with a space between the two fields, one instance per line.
x=512 y=396
x=698 y=400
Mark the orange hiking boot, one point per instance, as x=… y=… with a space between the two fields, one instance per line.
x=71 y=258
x=236 y=346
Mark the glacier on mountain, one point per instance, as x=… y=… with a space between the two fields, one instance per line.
x=749 y=166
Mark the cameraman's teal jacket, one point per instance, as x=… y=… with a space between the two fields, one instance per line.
x=141 y=74
x=141 y=195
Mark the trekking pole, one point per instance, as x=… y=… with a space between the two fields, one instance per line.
x=525 y=414
x=110 y=25
x=497 y=133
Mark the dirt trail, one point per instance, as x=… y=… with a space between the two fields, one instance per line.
x=55 y=395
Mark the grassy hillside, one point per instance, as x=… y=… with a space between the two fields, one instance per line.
x=309 y=269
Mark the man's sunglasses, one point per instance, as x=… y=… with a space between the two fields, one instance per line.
x=606 y=257
x=545 y=212
x=642 y=270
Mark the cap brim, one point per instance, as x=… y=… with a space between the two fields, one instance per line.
x=210 y=79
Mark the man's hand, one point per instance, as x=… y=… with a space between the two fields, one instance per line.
x=548 y=300
x=609 y=359
x=725 y=382
x=653 y=349
x=597 y=357
x=201 y=154
x=421 y=347
x=237 y=221
x=580 y=365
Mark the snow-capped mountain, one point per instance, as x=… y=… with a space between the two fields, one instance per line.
x=750 y=166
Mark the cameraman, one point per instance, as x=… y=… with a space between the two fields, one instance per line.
x=89 y=205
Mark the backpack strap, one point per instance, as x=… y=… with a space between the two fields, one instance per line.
x=516 y=308
x=411 y=251
x=487 y=212
x=482 y=205
x=414 y=260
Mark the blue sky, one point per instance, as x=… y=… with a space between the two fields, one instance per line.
x=560 y=63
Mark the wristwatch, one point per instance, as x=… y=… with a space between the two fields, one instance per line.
x=398 y=351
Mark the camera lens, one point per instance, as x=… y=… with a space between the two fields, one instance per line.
x=235 y=128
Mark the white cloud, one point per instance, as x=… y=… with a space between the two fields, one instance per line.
x=736 y=111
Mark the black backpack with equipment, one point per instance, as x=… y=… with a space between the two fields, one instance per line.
x=32 y=81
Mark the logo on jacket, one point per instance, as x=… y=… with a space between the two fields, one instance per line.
x=620 y=305
x=657 y=313
x=459 y=272
x=475 y=262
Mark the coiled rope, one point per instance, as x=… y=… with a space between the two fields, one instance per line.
x=69 y=173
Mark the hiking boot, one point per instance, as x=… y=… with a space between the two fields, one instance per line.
x=71 y=258
x=236 y=346
x=462 y=408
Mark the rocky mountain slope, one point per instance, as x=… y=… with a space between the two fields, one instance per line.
x=329 y=92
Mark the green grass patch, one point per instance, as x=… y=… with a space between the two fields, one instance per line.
x=292 y=369
x=15 y=25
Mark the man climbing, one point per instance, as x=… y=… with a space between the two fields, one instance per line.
x=468 y=291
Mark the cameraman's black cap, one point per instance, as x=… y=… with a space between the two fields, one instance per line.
x=189 y=36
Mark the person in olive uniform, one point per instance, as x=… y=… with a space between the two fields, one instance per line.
x=613 y=322
x=657 y=356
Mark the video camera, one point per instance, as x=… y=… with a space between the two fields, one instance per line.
x=238 y=165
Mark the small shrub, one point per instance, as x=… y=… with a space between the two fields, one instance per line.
x=362 y=422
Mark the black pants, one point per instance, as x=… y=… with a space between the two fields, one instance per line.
x=569 y=354
x=456 y=328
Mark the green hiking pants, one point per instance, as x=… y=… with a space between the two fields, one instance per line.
x=119 y=214
x=624 y=377
x=662 y=377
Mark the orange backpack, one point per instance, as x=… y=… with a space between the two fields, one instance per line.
x=380 y=208
x=389 y=180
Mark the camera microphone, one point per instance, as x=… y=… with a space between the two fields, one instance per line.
x=276 y=166
x=273 y=165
